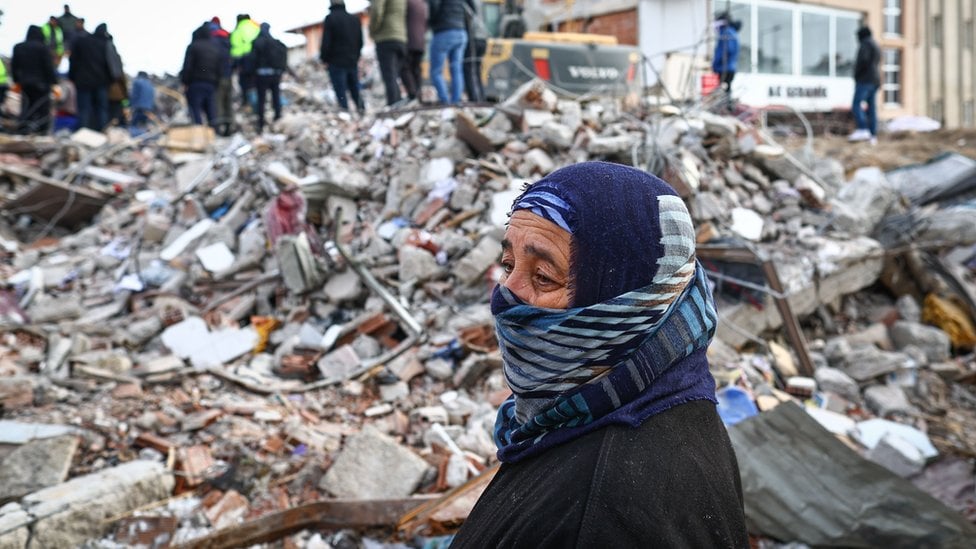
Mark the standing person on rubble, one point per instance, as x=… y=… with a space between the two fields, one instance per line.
x=410 y=75
x=32 y=70
x=342 y=42
x=867 y=80
x=118 y=89
x=241 y=40
x=69 y=25
x=91 y=74
x=604 y=317
x=4 y=85
x=54 y=38
x=202 y=65
x=225 y=86
x=270 y=62
x=388 y=27
x=449 y=42
x=477 y=46
x=142 y=101
x=725 y=59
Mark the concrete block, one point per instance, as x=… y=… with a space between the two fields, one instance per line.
x=909 y=309
x=885 y=400
x=71 y=512
x=897 y=455
x=343 y=286
x=865 y=363
x=477 y=261
x=836 y=381
x=417 y=264
x=372 y=465
x=36 y=465
x=932 y=340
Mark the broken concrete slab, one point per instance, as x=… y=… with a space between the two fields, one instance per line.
x=16 y=432
x=68 y=514
x=37 y=464
x=355 y=471
x=865 y=363
x=478 y=260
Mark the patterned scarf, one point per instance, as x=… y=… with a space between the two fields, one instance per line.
x=616 y=360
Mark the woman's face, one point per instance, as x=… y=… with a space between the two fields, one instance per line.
x=535 y=256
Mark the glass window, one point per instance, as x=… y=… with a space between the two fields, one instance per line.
x=969 y=31
x=742 y=12
x=846 y=45
x=892 y=17
x=774 y=40
x=491 y=15
x=935 y=110
x=937 y=31
x=891 y=70
x=968 y=114
x=815 y=49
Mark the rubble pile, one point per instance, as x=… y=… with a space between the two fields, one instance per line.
x=197 y=332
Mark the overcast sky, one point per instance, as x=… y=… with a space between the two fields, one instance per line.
x=153 y=35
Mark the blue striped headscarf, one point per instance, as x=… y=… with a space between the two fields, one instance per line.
x=633 y=342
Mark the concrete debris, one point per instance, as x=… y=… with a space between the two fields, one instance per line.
x=355 y=472
x=286 y=317
x=35 y=465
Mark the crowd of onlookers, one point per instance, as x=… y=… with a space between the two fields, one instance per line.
x=95 y=93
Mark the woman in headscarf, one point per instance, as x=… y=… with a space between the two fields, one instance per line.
x=611 y=437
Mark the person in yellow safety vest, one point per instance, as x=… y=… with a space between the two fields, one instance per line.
x=3 y=83
x=241 y=41
x=54 y=38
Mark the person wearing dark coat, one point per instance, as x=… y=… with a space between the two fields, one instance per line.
x=203 y=66
x=867 y=80
x=388 y=28
x=611 y=437
x=69 y=25
x=92 y=75
x=32 y=69
x=342 y=41
x=225 y=87
x=416 y=45
x=268 y=70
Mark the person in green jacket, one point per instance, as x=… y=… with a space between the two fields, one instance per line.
x=241 y=42
x=3 y=83
x=54 y=38
x=388 y=27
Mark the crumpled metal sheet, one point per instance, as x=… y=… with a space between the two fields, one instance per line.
x=802 y=484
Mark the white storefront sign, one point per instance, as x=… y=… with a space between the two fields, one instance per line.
x=804 y=93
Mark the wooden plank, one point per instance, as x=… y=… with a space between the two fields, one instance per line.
x=326 y=515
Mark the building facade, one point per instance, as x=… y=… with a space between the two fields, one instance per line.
x=801 y=53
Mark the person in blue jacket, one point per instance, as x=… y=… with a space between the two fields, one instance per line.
x=142 y=100
x=725 y=59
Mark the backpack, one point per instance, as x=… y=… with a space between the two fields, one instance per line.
x=279 y=55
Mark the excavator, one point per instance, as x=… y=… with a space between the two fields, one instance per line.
x=572 y=63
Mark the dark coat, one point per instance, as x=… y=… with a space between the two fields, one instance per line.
x=263 y=51
x=342 y=38
x=31 y=64
x=204 y=60
x=448 y=14
x=89 y=67
x=416 y=25
x=866 y=70
x=671 y=482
